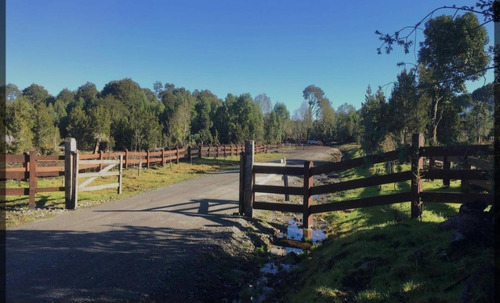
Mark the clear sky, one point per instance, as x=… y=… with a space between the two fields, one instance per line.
x=272 y=46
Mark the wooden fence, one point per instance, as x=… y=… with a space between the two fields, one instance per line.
x=416 y=175
x=31 y=166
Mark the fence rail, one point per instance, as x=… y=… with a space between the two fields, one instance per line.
x=416 y=195
x=31 y=166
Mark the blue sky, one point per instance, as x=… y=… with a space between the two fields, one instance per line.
x=272 y=47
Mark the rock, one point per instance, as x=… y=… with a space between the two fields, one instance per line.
x=472 y=224
x=480 y=286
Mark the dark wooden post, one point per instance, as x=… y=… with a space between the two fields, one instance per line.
x=208 y=151
x=126 y=158
x=417 y=164
x=446 y=169
x=217 y=152
x=147 y=159
x=189 y=153
x=307 y=218
x=101 y=157
x=177 y=154
x=201 y=151
x=69 y=148
x=32 y=177
x=432 y=163
x=285 y=180
x=242 y=183
x=163 y=157
x=465 y=184
x=248 y=191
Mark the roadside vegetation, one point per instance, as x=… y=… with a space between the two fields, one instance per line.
x=379 y=254
x=49 y=204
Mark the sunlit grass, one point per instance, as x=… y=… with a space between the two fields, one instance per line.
x=380 y=254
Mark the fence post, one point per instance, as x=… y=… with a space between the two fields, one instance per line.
x=285 y=180
x=307 y=219
x=76 y=159
x=242 y=183
x=101 y=157
x=217 y=151
x=120 y=176
x=465 y=184
x=248 y=192
x=417 y=164
x=147 y=159
x=32 y=176
x=189 y=153
x=446 y=169
x=163 y=157
x=69 y=148
x=126 y=158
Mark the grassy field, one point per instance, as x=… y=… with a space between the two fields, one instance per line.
x=49 y=204
x=379 y=254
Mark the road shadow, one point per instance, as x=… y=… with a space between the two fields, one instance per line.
x=126 y=264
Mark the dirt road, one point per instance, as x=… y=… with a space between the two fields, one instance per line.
x=138 y=249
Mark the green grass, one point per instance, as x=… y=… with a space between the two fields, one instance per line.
x=48 y=204
x=379 y=254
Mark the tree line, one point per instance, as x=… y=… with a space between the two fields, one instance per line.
x=430 y=98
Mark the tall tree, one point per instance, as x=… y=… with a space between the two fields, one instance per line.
x=373 y=121
x=407 y=107
x=453 y=52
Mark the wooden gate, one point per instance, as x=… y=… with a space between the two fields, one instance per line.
x=107 y=166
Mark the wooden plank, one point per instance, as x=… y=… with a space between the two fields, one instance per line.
x=14 y=191
x=14 y=175
x=103 y=171
x=464 y=150
x=49 y=168
x=50 y=158
x=99 y=187
x=89 y=156
x=293 y=208
x=365 y=182
x=343 y=165
x=455 y=197
x=481 y=163
x=271 y=189
x=13 y=158
x=487 y=185
x=98 y=162
x=364 y=202
x=99 y=174
x=49 y=173
x=280 y=170
x=49 y=189
x=456 y=174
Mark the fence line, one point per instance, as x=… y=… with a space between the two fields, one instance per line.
x=416 y=194
x=35 y=166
